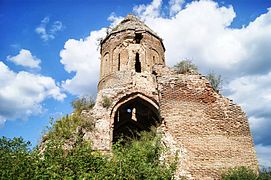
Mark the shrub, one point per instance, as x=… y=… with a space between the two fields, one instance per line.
x=265 y=174
x=106 y=102
x=136 y=160
x=215 y=81
x=65 y=127
x=84 y=103
x=186 y=67
x=240 y=173
x=139 y=159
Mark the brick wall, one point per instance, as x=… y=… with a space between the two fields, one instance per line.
x=213 y=130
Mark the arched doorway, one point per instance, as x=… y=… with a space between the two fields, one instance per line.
x=134 y=116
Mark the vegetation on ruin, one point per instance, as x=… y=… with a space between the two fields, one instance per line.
x=83 y=103
x=186 y=67
x=138 y=159
x=65 y=127
x=106 y=102
x=244 y=173
x=215 y=81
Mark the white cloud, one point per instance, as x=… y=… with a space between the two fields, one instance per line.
x=253 y=92
x=175 y=6
x=22 y=93
x=201 y=31
x=26 y=59
x=114 y=19
x=264 y=155
x=260 y=128
x=48 y=33
x=82 y=57
x=152 y=10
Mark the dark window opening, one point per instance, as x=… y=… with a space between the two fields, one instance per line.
x=133 y=117
x=154 y=73
x=153 y=59
x=138 y=37
x=119 y=62
x=137 y=64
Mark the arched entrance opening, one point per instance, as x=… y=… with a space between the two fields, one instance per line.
x=133 y=117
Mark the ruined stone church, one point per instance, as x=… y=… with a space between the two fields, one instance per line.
x=208 y=131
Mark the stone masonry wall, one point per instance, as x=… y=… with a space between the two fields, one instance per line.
x=212 y=129
x=121 y=87
x=118 y=53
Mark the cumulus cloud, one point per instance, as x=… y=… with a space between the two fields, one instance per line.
x=82 y=57
x=48 y=33
x=151 y=11
x=175 y=6
x=253 y=93
x=242 y=87
x=201 y=31
x=260 y=128
x=264 y=155
x=22 y=93
x=25 y=58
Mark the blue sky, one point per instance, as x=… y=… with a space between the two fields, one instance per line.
x=49 y=54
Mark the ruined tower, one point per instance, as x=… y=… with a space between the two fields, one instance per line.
x=137 y=91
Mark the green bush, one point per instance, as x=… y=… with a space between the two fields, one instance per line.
x=265 y=174
x=137 y=160
x=16 y=160
x=65 y=127
x=240 y=173
x=244 y=173
x=106 y=102
x=215 y=81
x=186 y=67
x=84 y=103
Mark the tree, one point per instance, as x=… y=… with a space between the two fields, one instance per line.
x=186 y=67
x=16 y=160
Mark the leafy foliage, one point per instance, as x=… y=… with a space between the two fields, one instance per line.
x=265 y=174
x=137 y=160
x=140 y=159
x=215 y=81
x=240 y=173
x=16 y=160
x=65 y=127
x=186 y=67
x=84 y=103
x=244 y=173
x=106 y=102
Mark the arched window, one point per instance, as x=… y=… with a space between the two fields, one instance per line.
x=138 y=37
x=137 y=63
x=133 y=117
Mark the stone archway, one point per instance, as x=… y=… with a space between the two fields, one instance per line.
x=134 y=116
